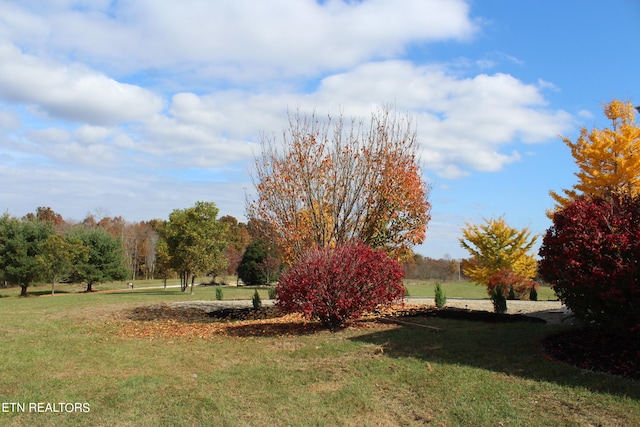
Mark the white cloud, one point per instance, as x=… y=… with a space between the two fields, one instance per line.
x=136 y=195
x=9 y=119
x=88 y=134
x=462 y=122
x=71 y=92
x=240 y=39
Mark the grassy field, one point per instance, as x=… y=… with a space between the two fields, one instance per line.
x=415 y=288
x=71 y=348
x=468 y=290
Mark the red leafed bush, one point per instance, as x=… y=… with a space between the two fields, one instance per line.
x=334 y=285
x=508 y=281
x=591 y=257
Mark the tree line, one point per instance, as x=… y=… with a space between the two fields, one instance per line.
x=43 y=247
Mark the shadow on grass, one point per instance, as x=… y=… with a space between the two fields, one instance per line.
x=274 y=328
x=512 y=349
x=150 y=292
x=43 y=292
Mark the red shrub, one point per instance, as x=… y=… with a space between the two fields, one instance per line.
x=507 y=280
x=334 y=285
x=591 y=257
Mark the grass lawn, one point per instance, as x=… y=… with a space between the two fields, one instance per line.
x=415 y=288
x=71 y=348
x=467 y=290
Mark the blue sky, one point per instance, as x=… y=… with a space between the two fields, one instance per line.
x=138 y=108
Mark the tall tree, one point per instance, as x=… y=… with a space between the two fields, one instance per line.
x=46 y=214
x=150 y=251
x=19 y=246
x=608 y=159
x=327 y=183
x=238 y=238
x=259 y=266
x=59 y=256
x=139 y=240
x=495 y=246
x=105 y=262
x=195 y=241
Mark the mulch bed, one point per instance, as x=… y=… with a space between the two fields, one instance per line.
x=586 y=348
x=595 y=349
x=471 y=315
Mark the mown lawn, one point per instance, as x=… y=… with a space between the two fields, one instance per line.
x=467 y=290
x=415 y=288
x=71 y=348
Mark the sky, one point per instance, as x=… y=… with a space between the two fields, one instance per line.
x=136 y=108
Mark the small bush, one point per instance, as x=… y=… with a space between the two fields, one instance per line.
x=441 y=297
x=257 y=302
x=498 y=300
x=335 y=285
x=515 y=286
x=272 y=292
x=219 y=294
x=533 y=294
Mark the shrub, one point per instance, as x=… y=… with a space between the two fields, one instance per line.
x=256 y=301
x=441 y=297
x=219 y=294
x=591 y=257
x=533 y=294
x=272 y=292
x=513 y=286
x=335 y=285
x=498 y=300
x=258 y=266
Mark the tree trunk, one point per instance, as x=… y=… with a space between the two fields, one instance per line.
x=193 y=279
x=184 y=281
x=89 y=287
x=23 y=290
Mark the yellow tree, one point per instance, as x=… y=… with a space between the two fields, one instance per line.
x=495 y=246
x=328 y=182
x=608 y=159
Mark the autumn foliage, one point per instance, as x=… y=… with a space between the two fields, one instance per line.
x=328 y=183
x=498 y=252
x=338 y=284
x=591 y=256
x=510 y=283
x=608 y=159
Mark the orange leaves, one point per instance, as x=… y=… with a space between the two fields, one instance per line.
x=327 y=183
x=163 y=322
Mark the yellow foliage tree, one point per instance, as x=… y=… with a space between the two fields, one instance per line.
x=609 y=159
x=496 y=246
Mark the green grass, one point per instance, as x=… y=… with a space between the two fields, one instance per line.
x=467 y=290
x=68 y=348
x=416 y=288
